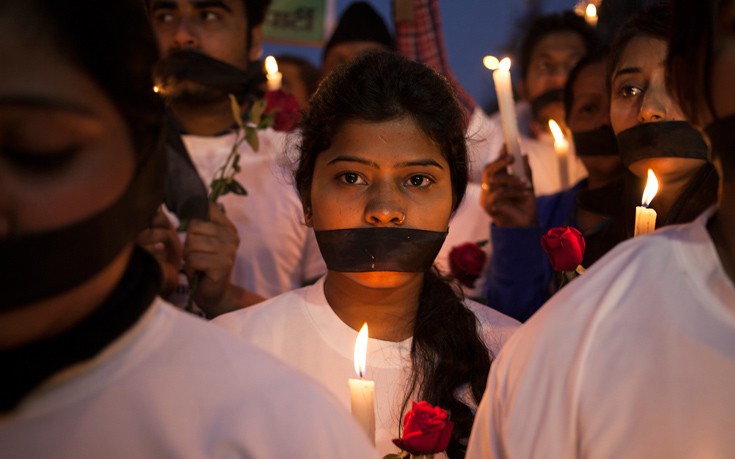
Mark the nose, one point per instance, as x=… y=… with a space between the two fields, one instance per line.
x=656 y=102
x=185 y=37
x=385 y=207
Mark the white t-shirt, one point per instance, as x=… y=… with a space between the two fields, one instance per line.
x=486 y=139
x=175 y=386
x=277 y=251
x=636 y=359
x=302 y=329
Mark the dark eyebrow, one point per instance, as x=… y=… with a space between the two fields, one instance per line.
x=199 y=4
x=163 y=5
x=626 y=71
x=419 y=162
x=202 y=4
x=45 y=103
x=354 y=159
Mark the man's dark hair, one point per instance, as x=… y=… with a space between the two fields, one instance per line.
x=543 y=26
x=308 y=72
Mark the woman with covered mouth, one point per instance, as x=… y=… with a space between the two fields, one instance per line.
x=382 y=168
x=652 y=131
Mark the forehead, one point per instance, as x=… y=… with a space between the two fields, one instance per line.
x=391 y=141
x=643 y=52
x=591 y=79
x=559 y=44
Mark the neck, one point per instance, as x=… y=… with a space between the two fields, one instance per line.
x=669 y=192
x=389 y=312
x=722 y=229
x=204 y=119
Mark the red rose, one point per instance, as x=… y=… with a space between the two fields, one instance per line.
x=284 y=109
x=426 y=430
x=565 y=247
x=466 y=262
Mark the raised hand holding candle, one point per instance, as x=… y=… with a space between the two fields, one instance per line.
x=272 y=74
x=561 y=146
x=362 y=391
x=504 y=91
x=645 y=218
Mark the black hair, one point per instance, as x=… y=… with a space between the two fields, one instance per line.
x=543 y=26
x=653 y=22
x=598 y=55
x=689 y=63
x=308 y=72
x=447 y=353
x=98 y=38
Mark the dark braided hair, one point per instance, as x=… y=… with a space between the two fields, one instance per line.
x=447 y=352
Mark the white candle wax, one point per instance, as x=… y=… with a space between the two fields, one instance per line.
x=362 y=391
x=506 y=104
x=645 y=220
x=272 y=74
x=362 y=404
x=561 y=146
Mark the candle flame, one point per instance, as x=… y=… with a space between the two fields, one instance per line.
x=490 y=62
x=361 y=350
x=156 y=89
x=271 y=66
x=651 y=189
x=556 y=131
x=504 y=64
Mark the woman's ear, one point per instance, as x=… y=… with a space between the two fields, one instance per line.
x=308 y=216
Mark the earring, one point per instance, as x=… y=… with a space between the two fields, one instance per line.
x=402 y=219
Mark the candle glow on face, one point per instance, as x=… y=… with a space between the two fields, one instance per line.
x=651 y=189
x=361 y=351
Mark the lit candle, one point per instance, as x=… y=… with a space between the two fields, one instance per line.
x=272 y=74
x=590 y=14
x=362 y=391
x=645 y=218
x=504 y=91
x=561 y=146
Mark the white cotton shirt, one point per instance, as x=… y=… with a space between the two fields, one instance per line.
x=302 y=329
x=277 y=252
x=634 y=360
x=486 y=139
x=175 y=386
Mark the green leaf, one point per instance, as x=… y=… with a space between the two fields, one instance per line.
x=393 y=456
x=236 y=113
x=236 y=163
x=267 y=120
x=256 y=111
x=251 y=137
x=235 y=187
x=218 y=188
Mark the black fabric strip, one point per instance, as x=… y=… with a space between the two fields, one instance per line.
x=665 y=139
x=25 y=368
x=359 y=250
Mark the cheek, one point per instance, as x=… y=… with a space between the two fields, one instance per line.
x=622 y=116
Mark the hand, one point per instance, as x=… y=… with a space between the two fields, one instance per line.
x=210 y=249
x=509 y=200
x=161 y=241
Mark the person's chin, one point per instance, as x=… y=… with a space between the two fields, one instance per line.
x=382 y=279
